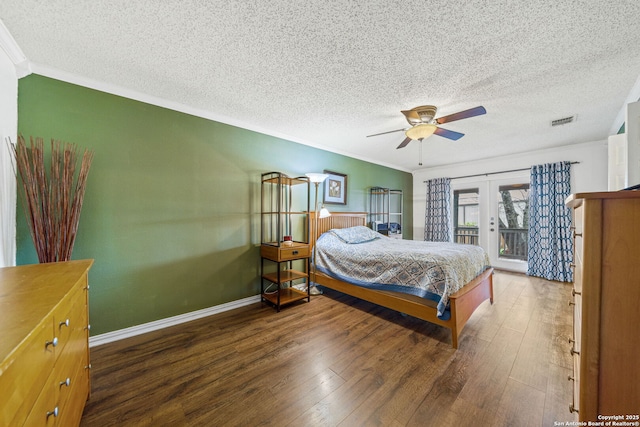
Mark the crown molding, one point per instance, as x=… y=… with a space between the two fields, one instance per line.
x=13 y=51
x=113 y=89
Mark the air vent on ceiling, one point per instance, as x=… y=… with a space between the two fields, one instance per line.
x=563 y=121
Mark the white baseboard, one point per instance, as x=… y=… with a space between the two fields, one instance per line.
x=169 y=321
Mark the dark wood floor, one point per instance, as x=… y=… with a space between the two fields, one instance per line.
x=338 y=361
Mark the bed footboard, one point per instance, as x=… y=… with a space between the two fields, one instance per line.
x=462 y=303
x=466 y=300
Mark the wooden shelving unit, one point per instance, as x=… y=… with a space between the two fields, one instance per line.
x=385 y=211
x=284 y=264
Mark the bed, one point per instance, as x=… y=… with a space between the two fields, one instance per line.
x=454 y=311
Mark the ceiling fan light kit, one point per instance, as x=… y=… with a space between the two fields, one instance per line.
x=421 y=131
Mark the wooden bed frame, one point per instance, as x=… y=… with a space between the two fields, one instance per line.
x=462 y=303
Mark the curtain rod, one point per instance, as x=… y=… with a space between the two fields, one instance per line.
x=499 y=172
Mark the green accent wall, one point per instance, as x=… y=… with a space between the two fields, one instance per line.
x=171 y=212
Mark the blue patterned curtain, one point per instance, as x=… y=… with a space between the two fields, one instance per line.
x=438 y=219
x=550 y=240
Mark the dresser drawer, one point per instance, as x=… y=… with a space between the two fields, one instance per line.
x=26 y=374
x=73 y=399
x=68 y=381
x=576 y=343
x=575 y=404
x=575 y=350
x=578 y=265
x=69 y=316
x=578 y=248
x=44 y=411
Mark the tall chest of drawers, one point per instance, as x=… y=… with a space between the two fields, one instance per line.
x=606 y=304
x=44 y=350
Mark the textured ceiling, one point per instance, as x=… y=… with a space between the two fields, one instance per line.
x=328 y=73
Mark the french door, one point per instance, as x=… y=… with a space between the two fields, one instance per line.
x=494 y=214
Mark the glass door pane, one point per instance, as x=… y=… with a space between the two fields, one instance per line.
x=513 y=221
x=466 y=212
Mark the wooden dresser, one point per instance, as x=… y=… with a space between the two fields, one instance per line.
x=44 y=350
x=606 y=305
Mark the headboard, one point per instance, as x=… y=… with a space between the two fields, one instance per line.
x=336 y=220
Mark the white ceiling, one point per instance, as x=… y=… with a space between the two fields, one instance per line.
x=328 y=73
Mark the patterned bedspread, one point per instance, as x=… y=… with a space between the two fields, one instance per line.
x=434 y=270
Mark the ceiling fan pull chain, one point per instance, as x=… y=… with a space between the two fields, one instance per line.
x=420 y=150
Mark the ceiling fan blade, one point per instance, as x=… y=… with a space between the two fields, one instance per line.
x=404 y=143
x=472 y=112
x=384 y=133
x=448 y=134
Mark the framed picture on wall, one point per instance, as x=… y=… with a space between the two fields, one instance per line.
x=335 y=188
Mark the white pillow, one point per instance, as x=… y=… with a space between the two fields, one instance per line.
x=357 y=234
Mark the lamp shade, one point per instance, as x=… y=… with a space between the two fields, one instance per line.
x=317 y=177
x=421 y=131
x=324 y=213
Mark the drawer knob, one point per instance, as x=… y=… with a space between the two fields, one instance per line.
x=572 y=351
x=572 y=409
x=294 y=252
x=87 y=328
x=88 y=366
x=572 y=303
x=66 y=382
x=54 y=412
x=65 y=323
x=53 y=342
x=574 y=293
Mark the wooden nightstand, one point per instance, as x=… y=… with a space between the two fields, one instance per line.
x=285 y=255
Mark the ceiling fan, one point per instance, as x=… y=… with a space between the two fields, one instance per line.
x=423 y=124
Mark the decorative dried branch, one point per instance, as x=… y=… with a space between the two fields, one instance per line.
x=52 y=203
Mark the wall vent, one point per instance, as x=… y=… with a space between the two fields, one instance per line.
x=563 y=121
